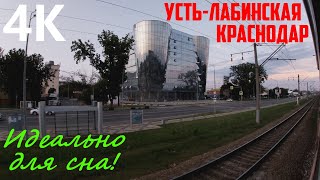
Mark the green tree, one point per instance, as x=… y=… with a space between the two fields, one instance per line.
x=110 y=64
x=73 y=86
x=151 y=74
x=272 y=93
x=284 y=92
x=202 y=71
x=51 y=90
x=100 y=90
x=190 y=79
x=244 y=76
x=225 y=91
x=11 y=71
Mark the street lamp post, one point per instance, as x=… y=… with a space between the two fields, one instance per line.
x=24 y=79
x=307 y=90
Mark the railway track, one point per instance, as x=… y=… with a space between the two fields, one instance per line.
x=241 y=162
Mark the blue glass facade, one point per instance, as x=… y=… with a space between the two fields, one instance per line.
x=165 y=64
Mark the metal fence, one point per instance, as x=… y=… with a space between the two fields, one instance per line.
x=70 y=120
x=71 y=123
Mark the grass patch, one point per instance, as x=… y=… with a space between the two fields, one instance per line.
x=145 y=152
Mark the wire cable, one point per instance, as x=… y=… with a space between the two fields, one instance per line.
x=144 y=13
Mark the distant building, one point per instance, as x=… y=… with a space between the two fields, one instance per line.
x=213 y=93
x=166 y=64
x=54 y=81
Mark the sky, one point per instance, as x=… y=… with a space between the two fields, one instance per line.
x=121 y=21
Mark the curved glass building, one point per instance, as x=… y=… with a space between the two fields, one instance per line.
x=165 y=64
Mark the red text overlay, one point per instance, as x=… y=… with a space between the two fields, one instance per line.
x=256 y=32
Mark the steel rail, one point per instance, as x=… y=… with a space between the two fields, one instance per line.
x=254 y=166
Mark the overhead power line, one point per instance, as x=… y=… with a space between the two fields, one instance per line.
x=160 y=18
x=118 y=26
x=107 y=24
x=70 y=30
x=255 y=23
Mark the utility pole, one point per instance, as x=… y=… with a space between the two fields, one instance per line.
x=214 y=77
x=24 y=79
x=257 y=84
x=92 y=83
x=122 y=89
x=307 y=90
x=307 y=85
x=257 y=66
x=299 y=84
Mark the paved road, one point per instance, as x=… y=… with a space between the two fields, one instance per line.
x=70 y=119
x=169 y=112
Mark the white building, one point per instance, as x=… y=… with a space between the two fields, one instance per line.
x=54 y=81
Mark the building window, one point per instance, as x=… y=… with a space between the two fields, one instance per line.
x=174 y=47
x=175 y=60
x=175 y=41
x=174 y=53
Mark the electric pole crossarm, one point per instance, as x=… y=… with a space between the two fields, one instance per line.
x=241 y=52
x=276 y=59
